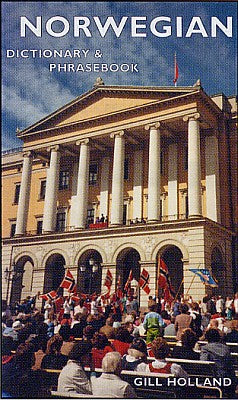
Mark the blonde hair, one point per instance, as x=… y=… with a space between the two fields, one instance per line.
x=111 y=362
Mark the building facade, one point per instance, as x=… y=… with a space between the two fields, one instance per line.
x=116 y=179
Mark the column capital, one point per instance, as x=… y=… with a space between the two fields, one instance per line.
x=82 y=141
x=154 y=125
x=118 y=133
x=28 y=154
x=194 y=116
x=53 y=148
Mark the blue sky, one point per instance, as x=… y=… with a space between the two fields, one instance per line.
x=30 y=91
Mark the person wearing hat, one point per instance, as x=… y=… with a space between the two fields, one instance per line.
x=72 y=377
x=137 y=354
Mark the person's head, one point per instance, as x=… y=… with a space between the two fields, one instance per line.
x=9 y=323
x=88 y=332
x=188 y=338
x=164 y=314
x=25 y=356
x=160 y=348
x=111 y=363
x=213 y=323
x=152 y=307
x=150 y=298
x=212 y=335
x=123 y=335
x=79 y=350
x=195 y=307
x=54 y=344
x=138 y=348
x=99 y=341
x=129 y=326
x=77 y=316
x=65 y=332
x=109 y=321
x=184 y=308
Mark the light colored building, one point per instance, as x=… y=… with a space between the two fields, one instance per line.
x=164 y=158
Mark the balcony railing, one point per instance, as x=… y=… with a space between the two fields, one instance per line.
x=130 y=222
x=12 y=151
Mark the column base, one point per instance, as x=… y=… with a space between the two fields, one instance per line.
x=45 y=232
x=19 y=234
x=195 y=216
x=151 y=221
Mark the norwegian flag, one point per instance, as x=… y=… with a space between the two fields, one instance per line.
x=105 y=296
x=144 y=281
x=164 y=281
x=68 y=282
x=58 y=302
x=128 y=282
x=108 y=279
x=49 y=296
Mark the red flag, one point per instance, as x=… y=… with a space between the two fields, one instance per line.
x=176 y=71
x=164 y=281
x=105 y=296
x=129 y=279
x=68 y=282
x=59 y=301
x=144 y=281
x=49 y=296
x=108 y=279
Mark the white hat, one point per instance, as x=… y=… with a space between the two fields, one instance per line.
x=16 y=324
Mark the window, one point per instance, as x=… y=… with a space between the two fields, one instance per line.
x=126 y=169
x=60 y=221
x=39 y=227
x=64 y=180
x=13 y=229
x=186 y=159
x=17 y=193
x=93 y=174
x=42 y=189
x=90 y=216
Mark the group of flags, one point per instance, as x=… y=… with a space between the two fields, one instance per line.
x=163 y=282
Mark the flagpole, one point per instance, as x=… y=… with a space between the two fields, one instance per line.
x=192 y=281
x=179 y=289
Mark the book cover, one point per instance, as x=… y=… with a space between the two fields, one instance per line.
x=119 y=142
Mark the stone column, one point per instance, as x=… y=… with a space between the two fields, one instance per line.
x=104 y=190
x=82 y=188
x=212 y=179
x=138 y=184
x=52 y=184
x=154 y=173
x=118 y=178
x=24 y=197
x=194 y=166
x=173 y=182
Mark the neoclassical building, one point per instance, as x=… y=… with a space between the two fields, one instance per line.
x=159 y=162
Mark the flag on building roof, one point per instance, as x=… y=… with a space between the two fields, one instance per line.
x=128 y=282
x=108 y=279
x=68 y=282
x=164 y=281
x=144 y=281
x=204 y=276
x=49 y=296
x=176 y=71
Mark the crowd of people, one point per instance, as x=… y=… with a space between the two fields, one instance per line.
x=114 y=336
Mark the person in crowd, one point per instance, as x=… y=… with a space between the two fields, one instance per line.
x=72 y=378
x=78 y=325
x=65 y=333
x=153 y=324
x=122 y=340
x=54 y=359
x=109 y=384
x=228 y=307
x=40 y=352
x=232 y=336
x=80 y=308
x=211 y=305
x=161 y=351
x=100 y=348
x=7 y=347
x=130 y=327
x=219 y=305
x=151 y=301
x=188 y=340
x=129 y=304
x=10 y=331
x=18 y=379
x=166 y=317
x=219 y=352
x=47 y=308
x=107 y=329
x=176 y=307
x=236 y=305
x=135 y=305
x=137 y=354
x=196 y=319
x=67 y=306
x=182 y=321
x=169 y=330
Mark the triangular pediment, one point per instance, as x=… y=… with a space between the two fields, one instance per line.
x=103 y=101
